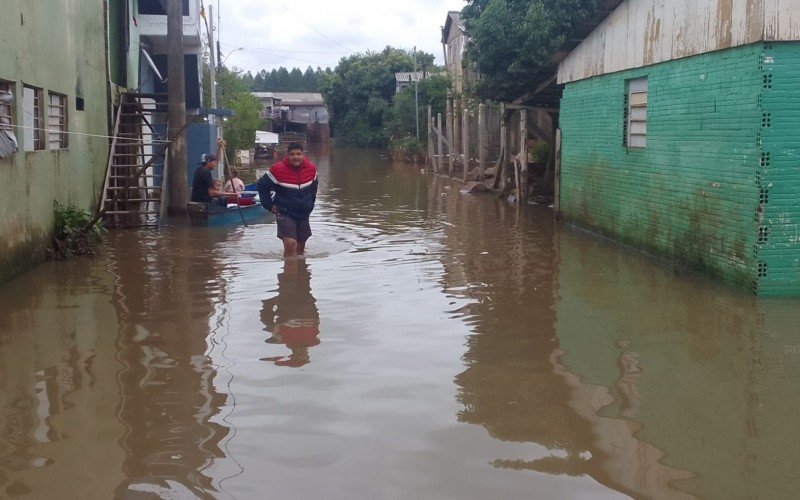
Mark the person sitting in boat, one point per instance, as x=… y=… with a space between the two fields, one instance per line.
x=236 y=184
x=203 y=189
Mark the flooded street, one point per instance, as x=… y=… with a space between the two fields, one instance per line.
x=433 y=345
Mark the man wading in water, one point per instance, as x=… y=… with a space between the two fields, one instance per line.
x=294 y=182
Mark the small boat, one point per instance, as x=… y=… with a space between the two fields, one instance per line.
x=212 y=214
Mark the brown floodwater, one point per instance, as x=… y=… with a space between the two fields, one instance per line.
x=433 y=344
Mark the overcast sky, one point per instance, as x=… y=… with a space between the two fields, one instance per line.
x=302 y=33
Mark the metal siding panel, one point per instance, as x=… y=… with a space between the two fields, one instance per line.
x=741 y=34
x=645 y=32
x=782 y=20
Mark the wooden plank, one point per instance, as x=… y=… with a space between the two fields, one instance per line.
x=464 y=142
x=440 y=140
x=430 y=139
x=449 y=126
x=482 y=142
x=557 y=181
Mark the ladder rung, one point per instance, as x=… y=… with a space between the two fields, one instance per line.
x=137 y=177
x=136 y=212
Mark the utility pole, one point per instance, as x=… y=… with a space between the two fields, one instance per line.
x=176 y=111
x=416 y=92
x=212 y=119
x=213 y=61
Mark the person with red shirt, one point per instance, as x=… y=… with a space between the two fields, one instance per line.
x=289 y=190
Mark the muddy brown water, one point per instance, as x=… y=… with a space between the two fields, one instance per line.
x=433 y=345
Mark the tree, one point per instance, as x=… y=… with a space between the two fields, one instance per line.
x=359 y=93
x=402 y=115
x=513 y=41
x=240 y=129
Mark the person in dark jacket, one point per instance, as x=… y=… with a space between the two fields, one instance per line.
x=293 y=181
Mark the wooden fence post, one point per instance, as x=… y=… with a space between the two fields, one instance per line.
x=465 y=142
x=440 y=159
x=499 y=174
x=522 y=195
x=557 y=181
x=482 y=141
x=430 y=139
x=449 y=125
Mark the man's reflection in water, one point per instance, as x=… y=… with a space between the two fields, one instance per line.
x=291 y=316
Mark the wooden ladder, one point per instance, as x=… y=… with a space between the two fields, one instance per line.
x=132 y=194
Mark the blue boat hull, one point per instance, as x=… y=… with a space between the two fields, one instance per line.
x=227 y=216
x=215 y=215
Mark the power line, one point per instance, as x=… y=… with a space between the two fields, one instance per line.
x=318 y=31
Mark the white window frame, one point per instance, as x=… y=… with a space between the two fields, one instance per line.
x=57 y=137
x=636 y=113
x=33 y=136
x=7 y=110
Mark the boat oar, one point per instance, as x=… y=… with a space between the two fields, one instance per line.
x=230 y=179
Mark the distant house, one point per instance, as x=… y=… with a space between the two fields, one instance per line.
x=405 y=79
x=679 y=127
x=270 y=105
x=303 y=112
x=454 y=42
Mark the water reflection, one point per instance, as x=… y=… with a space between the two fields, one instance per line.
x=291 y=316
x=166 y=309
x=516 y=384
x=57 y=395
x=476 y=346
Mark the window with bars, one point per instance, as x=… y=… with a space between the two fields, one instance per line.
x=57 y=121
x=6 y=105
x=636 y=113
x=33 y=133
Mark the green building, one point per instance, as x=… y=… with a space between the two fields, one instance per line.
x=679 y=123
x=63 y=69
x=54 y=109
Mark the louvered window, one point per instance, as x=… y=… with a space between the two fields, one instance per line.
x=636 y=113
x=57 y=121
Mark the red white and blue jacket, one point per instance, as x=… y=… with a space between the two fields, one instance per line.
x=295 y=188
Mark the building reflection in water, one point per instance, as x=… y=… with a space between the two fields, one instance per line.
x=291 y=316
x=166 y=291
x=58 y=390
x=516 y=383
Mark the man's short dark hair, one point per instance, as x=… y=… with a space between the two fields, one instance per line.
x=293 y=146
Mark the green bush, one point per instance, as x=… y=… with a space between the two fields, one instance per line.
x=406 y=148
x=539 y=153
x=74 y=233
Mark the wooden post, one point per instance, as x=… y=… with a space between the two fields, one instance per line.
x=449 y=125
x=557 y=181
x=176 y=112
x=465 y=142
x=430 y=139
x=482 y=141
x=523 y=157
x=499 y=175
x=440 y=159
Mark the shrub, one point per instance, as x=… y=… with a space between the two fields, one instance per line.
x=406 y=148
x=74 y=234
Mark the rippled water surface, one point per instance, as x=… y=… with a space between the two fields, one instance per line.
x=433 y=345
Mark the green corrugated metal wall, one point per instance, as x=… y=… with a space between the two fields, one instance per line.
x=715 y=188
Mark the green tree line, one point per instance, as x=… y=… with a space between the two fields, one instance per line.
x=284 y=80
